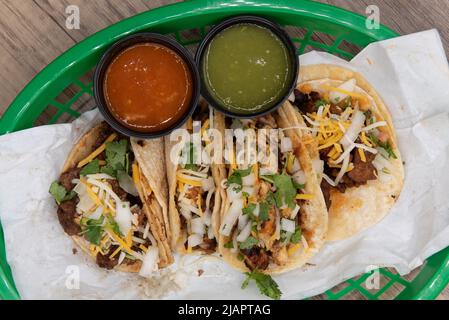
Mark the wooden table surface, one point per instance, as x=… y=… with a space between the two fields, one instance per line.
x=33 y=32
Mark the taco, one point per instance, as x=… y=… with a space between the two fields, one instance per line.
x=109 y=203
x=274 y=218
x=352 y=142
x=195 y=196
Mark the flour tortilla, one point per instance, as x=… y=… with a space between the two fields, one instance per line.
x=83 y=148
x=218 y=174
x=313 y=214
x=359 y=207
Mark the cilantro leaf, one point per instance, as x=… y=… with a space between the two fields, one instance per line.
x=248 y=243
x=263 y=212
x=116 y=154
x=320 y=103
x=91 y=168
x=92 y=229
x=384 y=145
x=298 y=186
x=249 y=210
x=296 y=236
x=264 y=282
x=190 y=152
x=60 y=193
x=236 y=178
x=229 y=245
x=108 y=170
x=114 y=225
x=285 y=190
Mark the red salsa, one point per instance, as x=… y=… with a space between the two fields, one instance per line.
x=148 y=87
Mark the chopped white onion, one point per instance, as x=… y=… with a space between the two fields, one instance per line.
x=208 y=199
x=210 y=233
x=296 y=166
x=186 y=213
x=375 y=125
x=335 y=96
x=138 y=240
x=351 y=134
x=146 y=230
x=249 y=180
x=366 y=148
x=318 y=166
x=123 y=217
x=85 y=203
x=380 y=162
x=288 y=225
x=295 y=212
x=291 y=97
x=233 y=194
x=248 y=190
x=235 y=244
x=244 y=234
x=150 y=262
x=197 y=226
x=97 y=213
x=208 y=184
x=344 y=168
x=100 y=176
x=121 y=257
x=127 y=183
x=243 y=220
x=207 y=217
x=257 y=210
x=286 y=145
x=231 y=217
x=267 y=171
x=194 y=240
x=300 y=177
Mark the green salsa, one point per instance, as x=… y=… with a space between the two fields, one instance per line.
x=246 y=68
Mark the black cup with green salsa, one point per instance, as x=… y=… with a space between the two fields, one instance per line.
x=248 y=66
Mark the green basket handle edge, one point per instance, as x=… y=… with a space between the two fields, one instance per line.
x=8 y=290
x=432 y=279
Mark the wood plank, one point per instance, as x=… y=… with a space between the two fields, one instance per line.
x=405 y=16
x=94 y=15
x=25 y=46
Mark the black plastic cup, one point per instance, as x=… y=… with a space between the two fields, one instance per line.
x=119 y=47
x=279 y=32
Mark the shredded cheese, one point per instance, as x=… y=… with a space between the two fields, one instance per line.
x=195 y=183
x=116 y=252
x=301 y=196
x=97 y=152
x=119 y=240
x=361 y=154
x=293 y=248
x=365 y=139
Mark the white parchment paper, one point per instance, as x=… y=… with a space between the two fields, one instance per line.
x=412 y=76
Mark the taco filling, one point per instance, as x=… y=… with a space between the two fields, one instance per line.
x=196 y=193
x=98 y=203
x=354 y=143
x=262 y=225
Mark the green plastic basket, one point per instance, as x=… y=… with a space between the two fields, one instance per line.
x=63 y=90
